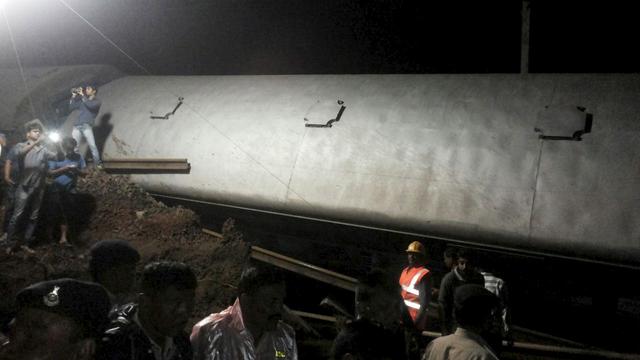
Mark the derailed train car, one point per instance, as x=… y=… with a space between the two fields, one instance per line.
x=545 y=164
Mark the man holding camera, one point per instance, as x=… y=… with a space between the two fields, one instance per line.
x=86 y=102
x=33 y=156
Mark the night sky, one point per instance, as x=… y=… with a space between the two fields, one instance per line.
x=192 y=37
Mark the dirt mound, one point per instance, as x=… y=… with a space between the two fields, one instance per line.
x=111 y=207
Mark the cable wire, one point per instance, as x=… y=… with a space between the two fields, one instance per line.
x=106 y=37
x=15 y=50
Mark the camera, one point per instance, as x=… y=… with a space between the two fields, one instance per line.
x=76 y=90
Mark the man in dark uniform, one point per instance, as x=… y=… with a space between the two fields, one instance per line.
x=153 y=329
x=57 y=320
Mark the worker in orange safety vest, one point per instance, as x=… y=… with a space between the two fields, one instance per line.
x=415 y=281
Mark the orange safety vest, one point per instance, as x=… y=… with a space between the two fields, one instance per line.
x=408 y=280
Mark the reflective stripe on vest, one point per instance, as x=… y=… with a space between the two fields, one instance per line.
x=412 y=304
x=412 y=285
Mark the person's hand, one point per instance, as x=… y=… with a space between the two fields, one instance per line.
x=9 y=181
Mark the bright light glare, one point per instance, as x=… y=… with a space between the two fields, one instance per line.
x=54 y=135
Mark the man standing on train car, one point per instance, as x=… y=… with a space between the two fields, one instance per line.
x=88 y=104
x=415 y=281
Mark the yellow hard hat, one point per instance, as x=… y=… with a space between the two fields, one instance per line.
x=417 y=247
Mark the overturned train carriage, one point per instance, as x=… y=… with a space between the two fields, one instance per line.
x=546 y=164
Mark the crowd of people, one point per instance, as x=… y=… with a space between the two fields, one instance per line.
x=473 y=306
x=111 y=318
x=39 y=165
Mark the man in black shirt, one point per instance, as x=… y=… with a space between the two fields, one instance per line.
x=463 y=273
x=154 y=327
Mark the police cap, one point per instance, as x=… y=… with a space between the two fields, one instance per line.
x=85 y=303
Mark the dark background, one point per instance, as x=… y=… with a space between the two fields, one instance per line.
x=194 y=37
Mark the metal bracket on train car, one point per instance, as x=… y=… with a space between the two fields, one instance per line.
x=562 y=121
x=166 y=116
x=147 y=166
x=329 y=123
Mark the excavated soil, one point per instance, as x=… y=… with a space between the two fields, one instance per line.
x=111 y=207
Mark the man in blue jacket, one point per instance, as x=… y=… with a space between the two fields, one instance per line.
x=88 y=104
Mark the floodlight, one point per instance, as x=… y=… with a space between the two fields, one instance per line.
x=54 y=136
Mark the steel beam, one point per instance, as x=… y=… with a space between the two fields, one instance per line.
x=147 y=166
x=304 y=269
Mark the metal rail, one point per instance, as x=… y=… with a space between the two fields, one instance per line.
x=212 y=233
x=548 y=336
x=314 y=316
x=305 y=269
x=147 y=166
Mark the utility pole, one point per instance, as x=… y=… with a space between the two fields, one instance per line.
x=524 y=39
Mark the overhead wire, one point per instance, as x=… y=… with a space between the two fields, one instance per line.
x=264 y=167
x=18 y=60
x=105 y=37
